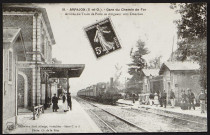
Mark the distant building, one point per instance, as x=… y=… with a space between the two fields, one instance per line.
x=180 y=76
x=152 y=82
x=13 y=52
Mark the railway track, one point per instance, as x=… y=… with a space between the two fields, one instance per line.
x=115 y=123
x=197 y=125
x=158 y=122
x=110 y=128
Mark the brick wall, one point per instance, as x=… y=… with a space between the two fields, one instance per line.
x=187 y=80
x=25 y=22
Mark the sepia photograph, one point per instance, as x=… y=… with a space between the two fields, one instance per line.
x=104 y=68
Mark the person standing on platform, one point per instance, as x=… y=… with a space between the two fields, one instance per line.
x=133 y=98
x=184 y=105
x=191 y=98
x=65 y=103
x=161 y=99
x=151 y=99
x=205 y=92
x=202 y=98
x=156 y=102
x=172 y=98
x=69 y=100
x=55 y=103
x=164 y=98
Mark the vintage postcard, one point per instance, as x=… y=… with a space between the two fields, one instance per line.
x=104 y=67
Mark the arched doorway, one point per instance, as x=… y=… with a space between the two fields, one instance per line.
x=22 y=90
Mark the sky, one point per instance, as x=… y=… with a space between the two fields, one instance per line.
x=155 y=27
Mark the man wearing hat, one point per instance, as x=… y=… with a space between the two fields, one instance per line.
x=69 y=100
x=191 y=98
x=55 y=103
x=202 y=98
x=164 y=96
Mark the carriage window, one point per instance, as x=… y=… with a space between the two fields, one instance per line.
x=10 y=65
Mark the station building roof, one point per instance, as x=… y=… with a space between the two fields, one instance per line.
x=63 y=70
x=179 y=66
x=12 y=36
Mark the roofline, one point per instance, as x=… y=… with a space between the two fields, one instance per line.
x=61 y=65
x=176 y=70
x=24 y=47
x=162 y=67
x=16 y=37
x=33 y=8
x=150 y=73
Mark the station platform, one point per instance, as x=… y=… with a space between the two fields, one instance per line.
x=74 y=121
x=194 y=115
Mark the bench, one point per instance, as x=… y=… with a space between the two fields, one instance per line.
x=37 y=110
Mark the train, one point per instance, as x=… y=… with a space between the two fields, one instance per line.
x=101 y=92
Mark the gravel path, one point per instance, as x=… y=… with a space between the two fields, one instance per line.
x=152 y=122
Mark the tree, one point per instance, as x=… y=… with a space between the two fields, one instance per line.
x=154 y=63
x=138 y=62
x=192 y=33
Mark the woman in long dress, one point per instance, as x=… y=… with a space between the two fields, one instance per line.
x=65 y=103
x=100 y=37
x=156 y=101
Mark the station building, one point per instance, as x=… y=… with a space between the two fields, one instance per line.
x=38 y=39
x=152 y=82
x=179 y=76
x=13 y=52
x=30 y=76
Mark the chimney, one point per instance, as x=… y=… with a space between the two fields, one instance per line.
x=159 y=62
x=111 y=82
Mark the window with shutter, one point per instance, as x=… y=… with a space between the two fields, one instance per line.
x=10 y=65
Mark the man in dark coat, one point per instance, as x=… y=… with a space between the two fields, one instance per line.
x=191 y=98
x=69 y=100
x=164 y=95
x=184 y=104
x=202 y=98
x=160 y=99
x=55 y=103
x=133 y=98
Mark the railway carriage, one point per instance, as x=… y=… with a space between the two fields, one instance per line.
x=101 y=92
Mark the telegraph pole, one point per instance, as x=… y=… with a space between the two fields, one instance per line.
x=172 y=49
x=36 y=63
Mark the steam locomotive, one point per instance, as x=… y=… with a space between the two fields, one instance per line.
x=101 y=92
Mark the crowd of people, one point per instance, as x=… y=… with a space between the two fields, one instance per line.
x=67 y=104
x=187 y=101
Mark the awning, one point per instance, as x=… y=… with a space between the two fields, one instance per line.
x=62 y=70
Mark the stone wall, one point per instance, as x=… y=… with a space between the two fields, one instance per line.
x=25 y=22
x=28 y=72
x=9 y=87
